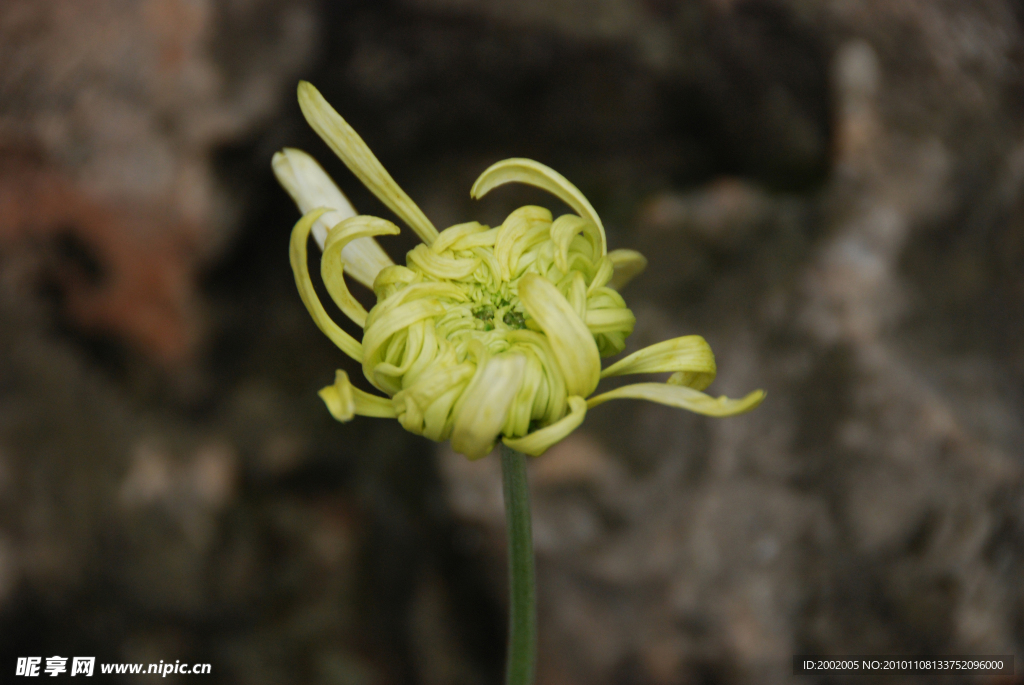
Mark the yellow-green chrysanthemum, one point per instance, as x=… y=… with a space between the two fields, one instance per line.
x=485 y=332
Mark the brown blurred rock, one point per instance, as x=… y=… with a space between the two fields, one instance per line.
x=128 y=527
x=110 y=111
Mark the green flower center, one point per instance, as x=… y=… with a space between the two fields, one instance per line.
x=503 y=311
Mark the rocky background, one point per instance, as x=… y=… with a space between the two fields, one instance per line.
x=831 y=192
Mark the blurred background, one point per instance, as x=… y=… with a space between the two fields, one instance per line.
x=831 y=192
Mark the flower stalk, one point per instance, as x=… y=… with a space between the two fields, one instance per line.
x=522 y=605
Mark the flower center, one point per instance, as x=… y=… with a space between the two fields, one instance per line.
x=491 y=311
x=504 y=312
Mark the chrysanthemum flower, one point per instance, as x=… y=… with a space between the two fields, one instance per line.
x=485 y=333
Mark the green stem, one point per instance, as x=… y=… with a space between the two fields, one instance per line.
x=522 y=614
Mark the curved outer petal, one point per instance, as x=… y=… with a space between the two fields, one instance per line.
x=334 y=262
x=690 y=358
x=533 y=173
x=540 y=440
x=357 y=156
x=681 y=397
x=310 y=187
x=628 y=264
x=345 y=401
x=485 y=405
x=297 y=256
x=571 y=342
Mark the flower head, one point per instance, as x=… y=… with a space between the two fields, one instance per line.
x=485 y=333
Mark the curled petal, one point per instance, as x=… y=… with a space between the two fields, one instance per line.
x=390 y=323
x=451 y=238
x=571 y=342
x=426 y=405
x=548 y=403
x=681 y=397
x=485 y=405
x=439 y=266
x=488 y=260
x=563 y=230
x=437 y=419
x=334 y=262
x=536 y=174
x=540 y=440
x=297 y=256
x=689 y=358
x=430 y=289
x=535 y=236
x=357 y=156
x=392 y=279
x=477 y=241
x=521 y=413
x=576 y=293
x=628 y=264
x=610 y=320
x=604 y=273
x=311 y=187
x=344 y=401
x=508 y=244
